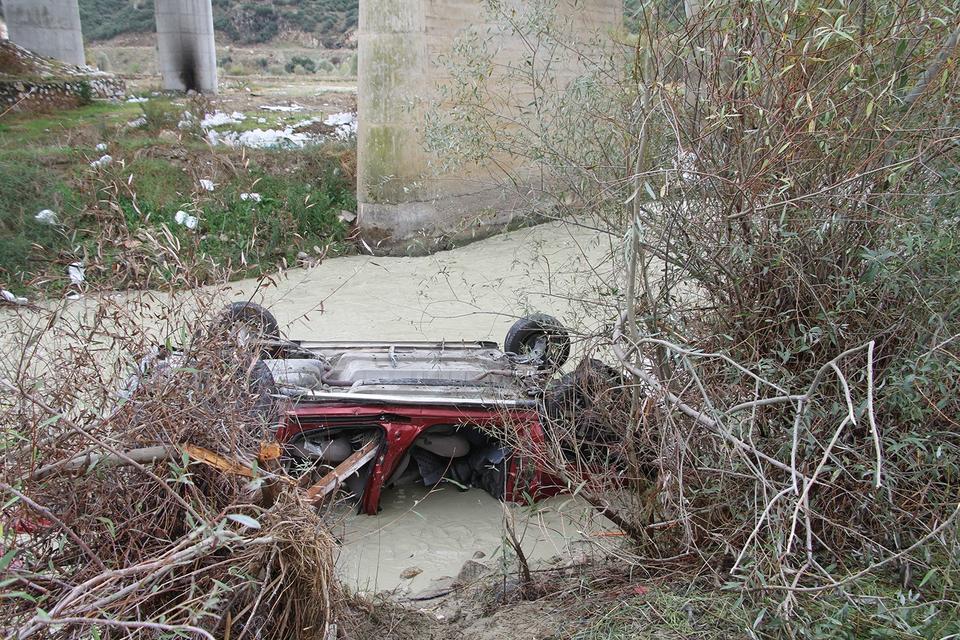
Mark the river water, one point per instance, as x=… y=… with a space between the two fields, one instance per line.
x=473 y=293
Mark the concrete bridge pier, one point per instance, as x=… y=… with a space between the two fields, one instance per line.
x=50 y=28
x=185 y=44
x=409 y=203
x=187 y=53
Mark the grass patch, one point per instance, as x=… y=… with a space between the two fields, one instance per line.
x=44 y=129
x=27 y=246
x=882 y=610
x=120 y=221
x=664 y=614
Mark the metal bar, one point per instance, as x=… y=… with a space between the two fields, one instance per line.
x=376 y=398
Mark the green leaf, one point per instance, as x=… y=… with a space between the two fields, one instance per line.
x=246 y=521
x=7 y=559
x=927 y=577
x=23 y=595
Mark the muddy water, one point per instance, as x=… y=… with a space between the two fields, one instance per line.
x=474 y=292
x=471 y=293
x=437 y=531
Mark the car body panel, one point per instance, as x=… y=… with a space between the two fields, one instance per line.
x=401 y=425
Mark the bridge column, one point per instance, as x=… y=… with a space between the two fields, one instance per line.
x=187 y=55
x=50 y=28
x=408 y=203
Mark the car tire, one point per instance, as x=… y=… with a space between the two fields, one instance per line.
x=523 y=336
x=252 y=315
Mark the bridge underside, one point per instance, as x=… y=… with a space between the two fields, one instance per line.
x=407 y=204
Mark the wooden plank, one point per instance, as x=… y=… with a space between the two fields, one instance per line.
x=344 y=470
x=217 y=461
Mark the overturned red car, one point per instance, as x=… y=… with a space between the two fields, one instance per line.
x=363 y=416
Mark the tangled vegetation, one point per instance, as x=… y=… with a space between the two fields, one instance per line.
x=147 y=508
x=781 y=183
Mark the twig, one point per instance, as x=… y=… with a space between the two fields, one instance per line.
x=60 y=523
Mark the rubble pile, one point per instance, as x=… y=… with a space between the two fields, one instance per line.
x=31 y=82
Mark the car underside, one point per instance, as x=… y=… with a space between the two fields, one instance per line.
x=355 y=418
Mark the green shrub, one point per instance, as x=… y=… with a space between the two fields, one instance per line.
x=160 y=114
x=301 y=62
x=249 y=22
x=84 y=93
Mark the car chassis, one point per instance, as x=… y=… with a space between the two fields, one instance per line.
x=374 y=414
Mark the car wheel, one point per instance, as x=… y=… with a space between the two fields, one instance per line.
x=251 y=319
x=538 y=339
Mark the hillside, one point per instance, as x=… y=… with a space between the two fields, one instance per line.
x=241 y=22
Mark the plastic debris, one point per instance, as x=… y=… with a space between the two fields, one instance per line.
x=344 y=124
x=219 y=118
x=9 y=296
x=101 y=147
x=185 y=219
x=253 y=197
x=139 y=122
x=104 y=161
x=187 y=121
x=261 y=121
x=293 y=106
x=261 y=139
x=75 y=273
x=686 y=164
x=46 y=216
x=206 y=185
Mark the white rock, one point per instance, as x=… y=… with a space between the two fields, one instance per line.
x=261 y=121
x=206 y=185
x=47 y=216
x=101 y=147
x=137 y=123
x=75 y=273
x=136 y=99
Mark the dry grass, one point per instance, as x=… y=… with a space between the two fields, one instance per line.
x=128 y=547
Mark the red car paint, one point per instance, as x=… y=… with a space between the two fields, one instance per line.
x=402 y=424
